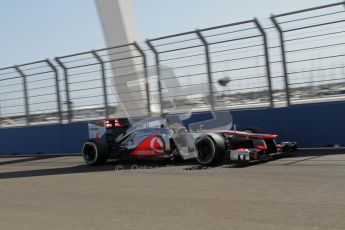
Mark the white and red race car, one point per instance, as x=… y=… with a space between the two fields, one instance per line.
x=161 y=139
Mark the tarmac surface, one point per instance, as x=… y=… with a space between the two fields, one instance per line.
x=301 y=191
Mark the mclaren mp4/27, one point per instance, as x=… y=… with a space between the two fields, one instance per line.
x=159 y=138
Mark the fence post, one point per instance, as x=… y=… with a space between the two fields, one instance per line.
x=58 y=100
x=26 y=99
x=0 y=115
x=267 y=59
x=209 y=70
x=146 y=75
x=282 y=47
x=65 y=70
x=158 y=73
x=104 y=83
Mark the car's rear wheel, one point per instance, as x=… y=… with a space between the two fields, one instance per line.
x=210 y=149
x=95 y=152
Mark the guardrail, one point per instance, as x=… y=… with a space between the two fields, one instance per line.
x=235 y=65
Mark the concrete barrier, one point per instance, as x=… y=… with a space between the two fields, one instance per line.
x=43 y=139
x=311 y=125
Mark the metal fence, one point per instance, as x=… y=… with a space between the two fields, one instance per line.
x=29 y=93
x=105 y=82
x=299 y=57
x=313 y=52
x=213 y=67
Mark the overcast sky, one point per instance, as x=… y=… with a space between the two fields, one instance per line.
x=37 y=29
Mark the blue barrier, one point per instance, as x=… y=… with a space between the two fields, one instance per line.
x=311 y=125
x=44 y=139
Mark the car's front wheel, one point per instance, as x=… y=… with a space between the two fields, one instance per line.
x=210 y=149
x=95 y=152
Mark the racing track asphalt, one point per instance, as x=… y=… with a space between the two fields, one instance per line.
x=303 y=191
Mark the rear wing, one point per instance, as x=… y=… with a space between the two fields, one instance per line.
x=116 y=128
x=116 y=123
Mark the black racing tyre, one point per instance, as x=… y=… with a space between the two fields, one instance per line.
x=253 y=130
x=210 y=149
x=95 y=152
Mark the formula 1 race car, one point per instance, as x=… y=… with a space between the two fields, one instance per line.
x=158 y=138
